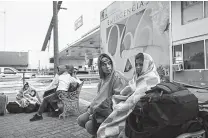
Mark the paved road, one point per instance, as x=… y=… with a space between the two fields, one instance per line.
x=19 y=126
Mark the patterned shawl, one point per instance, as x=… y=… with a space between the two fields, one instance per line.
x=124 y=103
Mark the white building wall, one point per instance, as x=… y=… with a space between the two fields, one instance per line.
x=190 y=32
x=2 y=27
x=38 y=60
x=196 y=30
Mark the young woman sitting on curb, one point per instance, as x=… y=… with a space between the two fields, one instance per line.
x=111 y=82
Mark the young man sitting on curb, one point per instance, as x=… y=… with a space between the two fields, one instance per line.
x=64 y=80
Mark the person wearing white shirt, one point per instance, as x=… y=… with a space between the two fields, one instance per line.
x=64 y=80
x=52 y=88
x=53 y=84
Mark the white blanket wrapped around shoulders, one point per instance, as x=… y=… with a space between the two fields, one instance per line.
x=124 y=103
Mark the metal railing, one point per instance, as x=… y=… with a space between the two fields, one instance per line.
x=40 y=77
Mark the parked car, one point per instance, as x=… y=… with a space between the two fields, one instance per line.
x=9 y=74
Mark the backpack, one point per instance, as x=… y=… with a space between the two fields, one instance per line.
x=162 y=112
x=204 y=117
x=170 y=104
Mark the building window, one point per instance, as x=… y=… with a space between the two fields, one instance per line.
x=177 y=54
x=191 y=11
x=206 y=45
x=206 y=8
x=193 y=55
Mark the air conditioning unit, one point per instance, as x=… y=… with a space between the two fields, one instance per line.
x=178 y=67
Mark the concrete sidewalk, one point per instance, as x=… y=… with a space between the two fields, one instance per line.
x=19 y=126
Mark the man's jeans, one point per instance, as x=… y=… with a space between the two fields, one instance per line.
x=52 y=99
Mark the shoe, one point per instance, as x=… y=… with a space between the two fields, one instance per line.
x=36 y=117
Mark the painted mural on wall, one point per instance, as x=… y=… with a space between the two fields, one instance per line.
x=128 y=28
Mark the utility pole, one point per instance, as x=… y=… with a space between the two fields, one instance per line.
x=55 y=32
x=48 y=35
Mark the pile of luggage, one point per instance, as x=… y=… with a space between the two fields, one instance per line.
x=166 y=111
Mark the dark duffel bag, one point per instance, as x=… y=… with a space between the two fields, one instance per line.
x=31 y=108
x=13 y=107
x=162 y=112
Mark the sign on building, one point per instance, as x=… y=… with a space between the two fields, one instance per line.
x=127 y=28
x=78 y=23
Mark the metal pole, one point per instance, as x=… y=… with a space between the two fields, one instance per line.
x=48 y=35
x=55 y=32
x=23 y=78
x=171 y=43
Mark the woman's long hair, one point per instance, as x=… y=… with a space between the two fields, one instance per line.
x=101 y=73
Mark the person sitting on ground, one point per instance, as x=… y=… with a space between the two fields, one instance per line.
x=111 y=82
x=28 y=96
x=145 y=77
x=64 y=80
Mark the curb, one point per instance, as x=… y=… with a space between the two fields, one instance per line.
x=88 y=87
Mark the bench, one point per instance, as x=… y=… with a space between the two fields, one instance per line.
x=70 y=102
